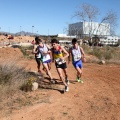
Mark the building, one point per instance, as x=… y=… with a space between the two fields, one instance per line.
x=65 y=36
x=92 y=29
x=82 y=29
x=109 y=40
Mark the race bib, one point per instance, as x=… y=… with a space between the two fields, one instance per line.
x=59 y=61
x=77 y=57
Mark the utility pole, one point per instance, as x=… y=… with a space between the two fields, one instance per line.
x=32 y=29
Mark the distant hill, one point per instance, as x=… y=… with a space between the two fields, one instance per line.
x=23 y=33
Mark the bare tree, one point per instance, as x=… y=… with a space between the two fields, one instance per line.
x=87 y=12
x=111 y=18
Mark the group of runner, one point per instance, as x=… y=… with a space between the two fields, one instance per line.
x=45 y=54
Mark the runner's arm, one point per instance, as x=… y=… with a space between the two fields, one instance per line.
x=34 y=51
x=83 y=55
x=82 y=51
x=67 y=54
x=52 y=56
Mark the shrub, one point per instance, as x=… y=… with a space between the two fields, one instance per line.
x=27 y=86
x=26 y=53
x=12 y=78
x=107 y=53
x=97 y=53
x=87 y=49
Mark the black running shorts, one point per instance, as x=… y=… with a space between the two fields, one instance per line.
x=62 y=66
x=38 y=60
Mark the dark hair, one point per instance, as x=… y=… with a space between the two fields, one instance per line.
x=74 y=40
x=37 y=40
x=54 y=41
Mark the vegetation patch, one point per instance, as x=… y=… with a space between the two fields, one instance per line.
x=107 y=53
x=27 y=52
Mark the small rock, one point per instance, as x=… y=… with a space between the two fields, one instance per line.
x=34 y=86
x=102 y=62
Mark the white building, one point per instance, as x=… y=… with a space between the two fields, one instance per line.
x=109 y=40
x=89 y=28
x=66 y=36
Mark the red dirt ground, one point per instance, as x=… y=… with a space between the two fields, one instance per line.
x=98 y=98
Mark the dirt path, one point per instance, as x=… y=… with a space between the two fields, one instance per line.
x=98 y=98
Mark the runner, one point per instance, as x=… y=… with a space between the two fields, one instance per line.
x=45 y=58
x=77 y=56
x=37 y=54
x=60 y=62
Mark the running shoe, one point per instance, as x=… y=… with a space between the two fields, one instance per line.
x=52 y=81
x=66 y=88
x=79 y=80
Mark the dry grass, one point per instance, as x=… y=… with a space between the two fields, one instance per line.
x=12 y=79
x=27 y=52
x=107 y=53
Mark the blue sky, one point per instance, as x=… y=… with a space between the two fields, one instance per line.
x=48 y=16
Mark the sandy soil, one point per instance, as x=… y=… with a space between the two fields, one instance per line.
x=98 y=98
x=17 y=39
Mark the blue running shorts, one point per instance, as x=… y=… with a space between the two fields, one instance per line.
x=78 y=64
x=48 y=61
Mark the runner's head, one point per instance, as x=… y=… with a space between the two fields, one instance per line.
x=54 y=43
x=74 y=42
x=38 y=40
